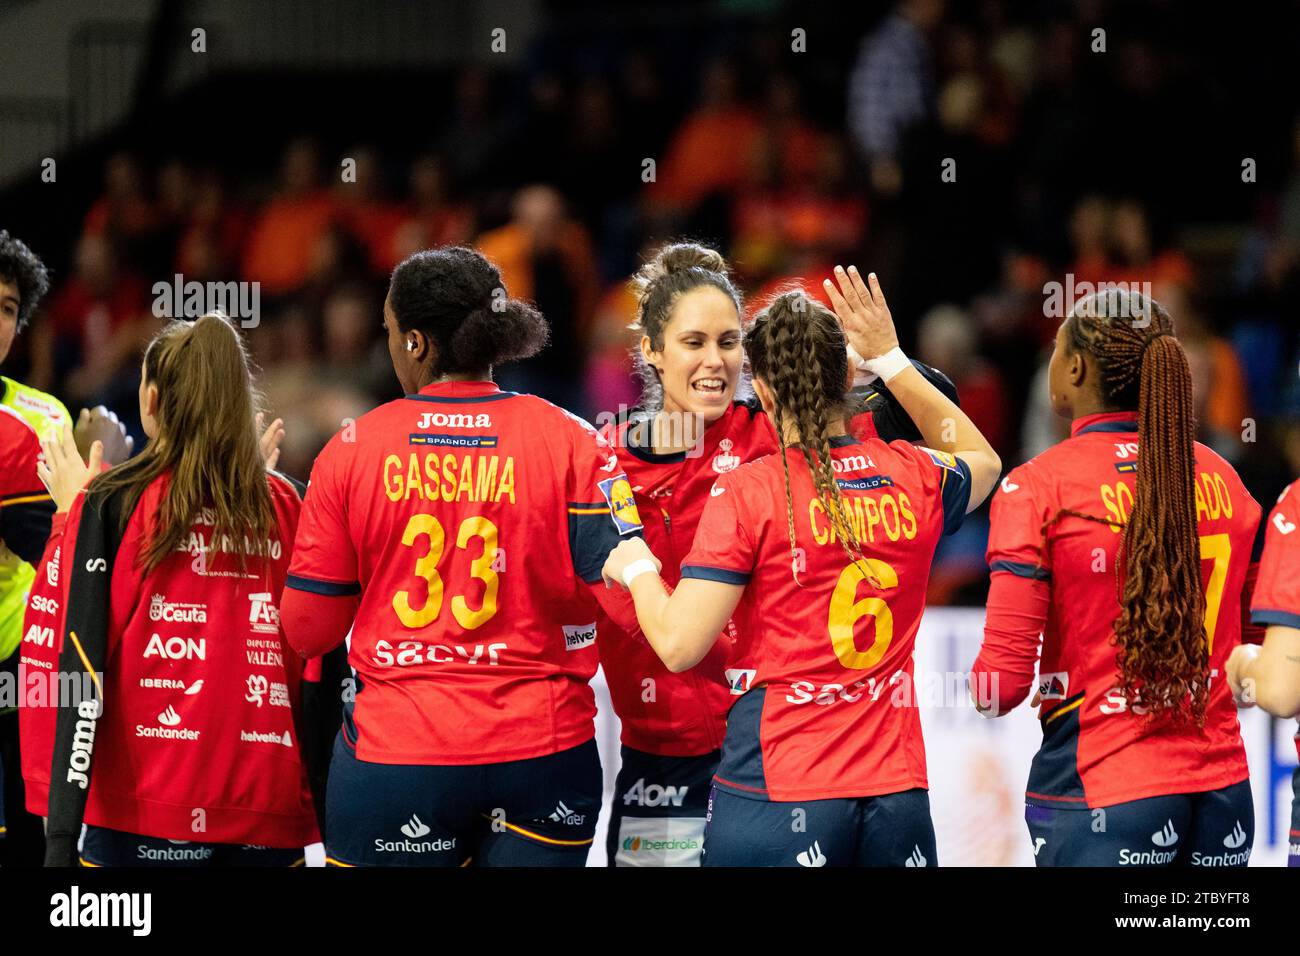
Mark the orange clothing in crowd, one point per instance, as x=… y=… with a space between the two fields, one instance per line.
x=282 y=240
x=707 y=155
x=512 y=248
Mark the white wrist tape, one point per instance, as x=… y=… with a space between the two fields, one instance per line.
x=861 y=374
x=636 y=569
x=889 y=364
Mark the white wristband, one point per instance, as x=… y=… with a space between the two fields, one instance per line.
x=889 y=364
x=636 y=569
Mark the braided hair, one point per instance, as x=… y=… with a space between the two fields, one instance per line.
x=796 y=346
x=1163 y=652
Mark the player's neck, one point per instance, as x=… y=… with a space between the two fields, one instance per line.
x=1089 y=405
x=427 y=380
x=676 y=430
x=835 y=430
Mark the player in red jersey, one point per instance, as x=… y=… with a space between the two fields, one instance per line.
x=1269 y=675
x=452 y=530
x=1126 y=547
x=170 y=568
x=690 y=429
x=823 y=761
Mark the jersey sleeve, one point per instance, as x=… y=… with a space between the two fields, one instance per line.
x=324 y=557
x=1277 y=587
x=954 y=483
x=723 y=549
x=26 y=508
x=599 y=500
x=875 y=411
x=1016 y=521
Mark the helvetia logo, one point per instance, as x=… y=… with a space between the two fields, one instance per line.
x=415 y=828
x=1167 y=836
x=916 y=859
x=739 y=679
x=1054 y=686
x=577 y=636
x=1236 y=838
x=812 y=856
x=258 y=737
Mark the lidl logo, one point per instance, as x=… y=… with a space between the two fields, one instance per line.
x=622 y=503
x=943 y=459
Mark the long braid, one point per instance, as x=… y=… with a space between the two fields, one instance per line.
x=797 y=347
x=1163 y=652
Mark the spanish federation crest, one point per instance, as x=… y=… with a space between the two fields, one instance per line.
x=724 y=461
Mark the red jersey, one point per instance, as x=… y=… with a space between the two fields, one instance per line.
x=467 y=518
x=826 y=710
x=39 y=655
x=198 y=734
x=676 y=715
x=1277 y=589
x=1098 y=749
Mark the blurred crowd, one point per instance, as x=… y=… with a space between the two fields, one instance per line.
x=567 y=176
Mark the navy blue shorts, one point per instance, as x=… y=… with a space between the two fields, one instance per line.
x=103 y=847
x=1293 y=839
x=657 y=817
x=1216 y=828
x=893 y=829
x=536 y=812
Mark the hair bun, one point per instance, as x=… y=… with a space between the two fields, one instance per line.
x=505 y=331
x=677 y=257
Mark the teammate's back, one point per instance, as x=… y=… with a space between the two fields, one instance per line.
x=463 y=506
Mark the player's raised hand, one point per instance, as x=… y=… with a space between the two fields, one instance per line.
x=100 y=425
x=61 y=469
x=629 y=550
x=862 y=311
x=272 y=435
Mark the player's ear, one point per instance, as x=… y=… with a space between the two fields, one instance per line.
x=652 y=358
x=765 y=397
x=1076 y=367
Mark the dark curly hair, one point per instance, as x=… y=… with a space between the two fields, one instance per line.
x=455 y=296
x=21 y=267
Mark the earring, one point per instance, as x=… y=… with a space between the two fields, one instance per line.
x=410 y=346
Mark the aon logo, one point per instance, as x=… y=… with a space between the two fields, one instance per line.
x=654 y=795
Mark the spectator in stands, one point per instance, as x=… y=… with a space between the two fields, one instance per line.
x=546 y=257
x=891 y=89
x=285 y=232
x=433 y=217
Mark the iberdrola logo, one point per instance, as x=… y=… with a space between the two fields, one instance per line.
x=632 y=844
